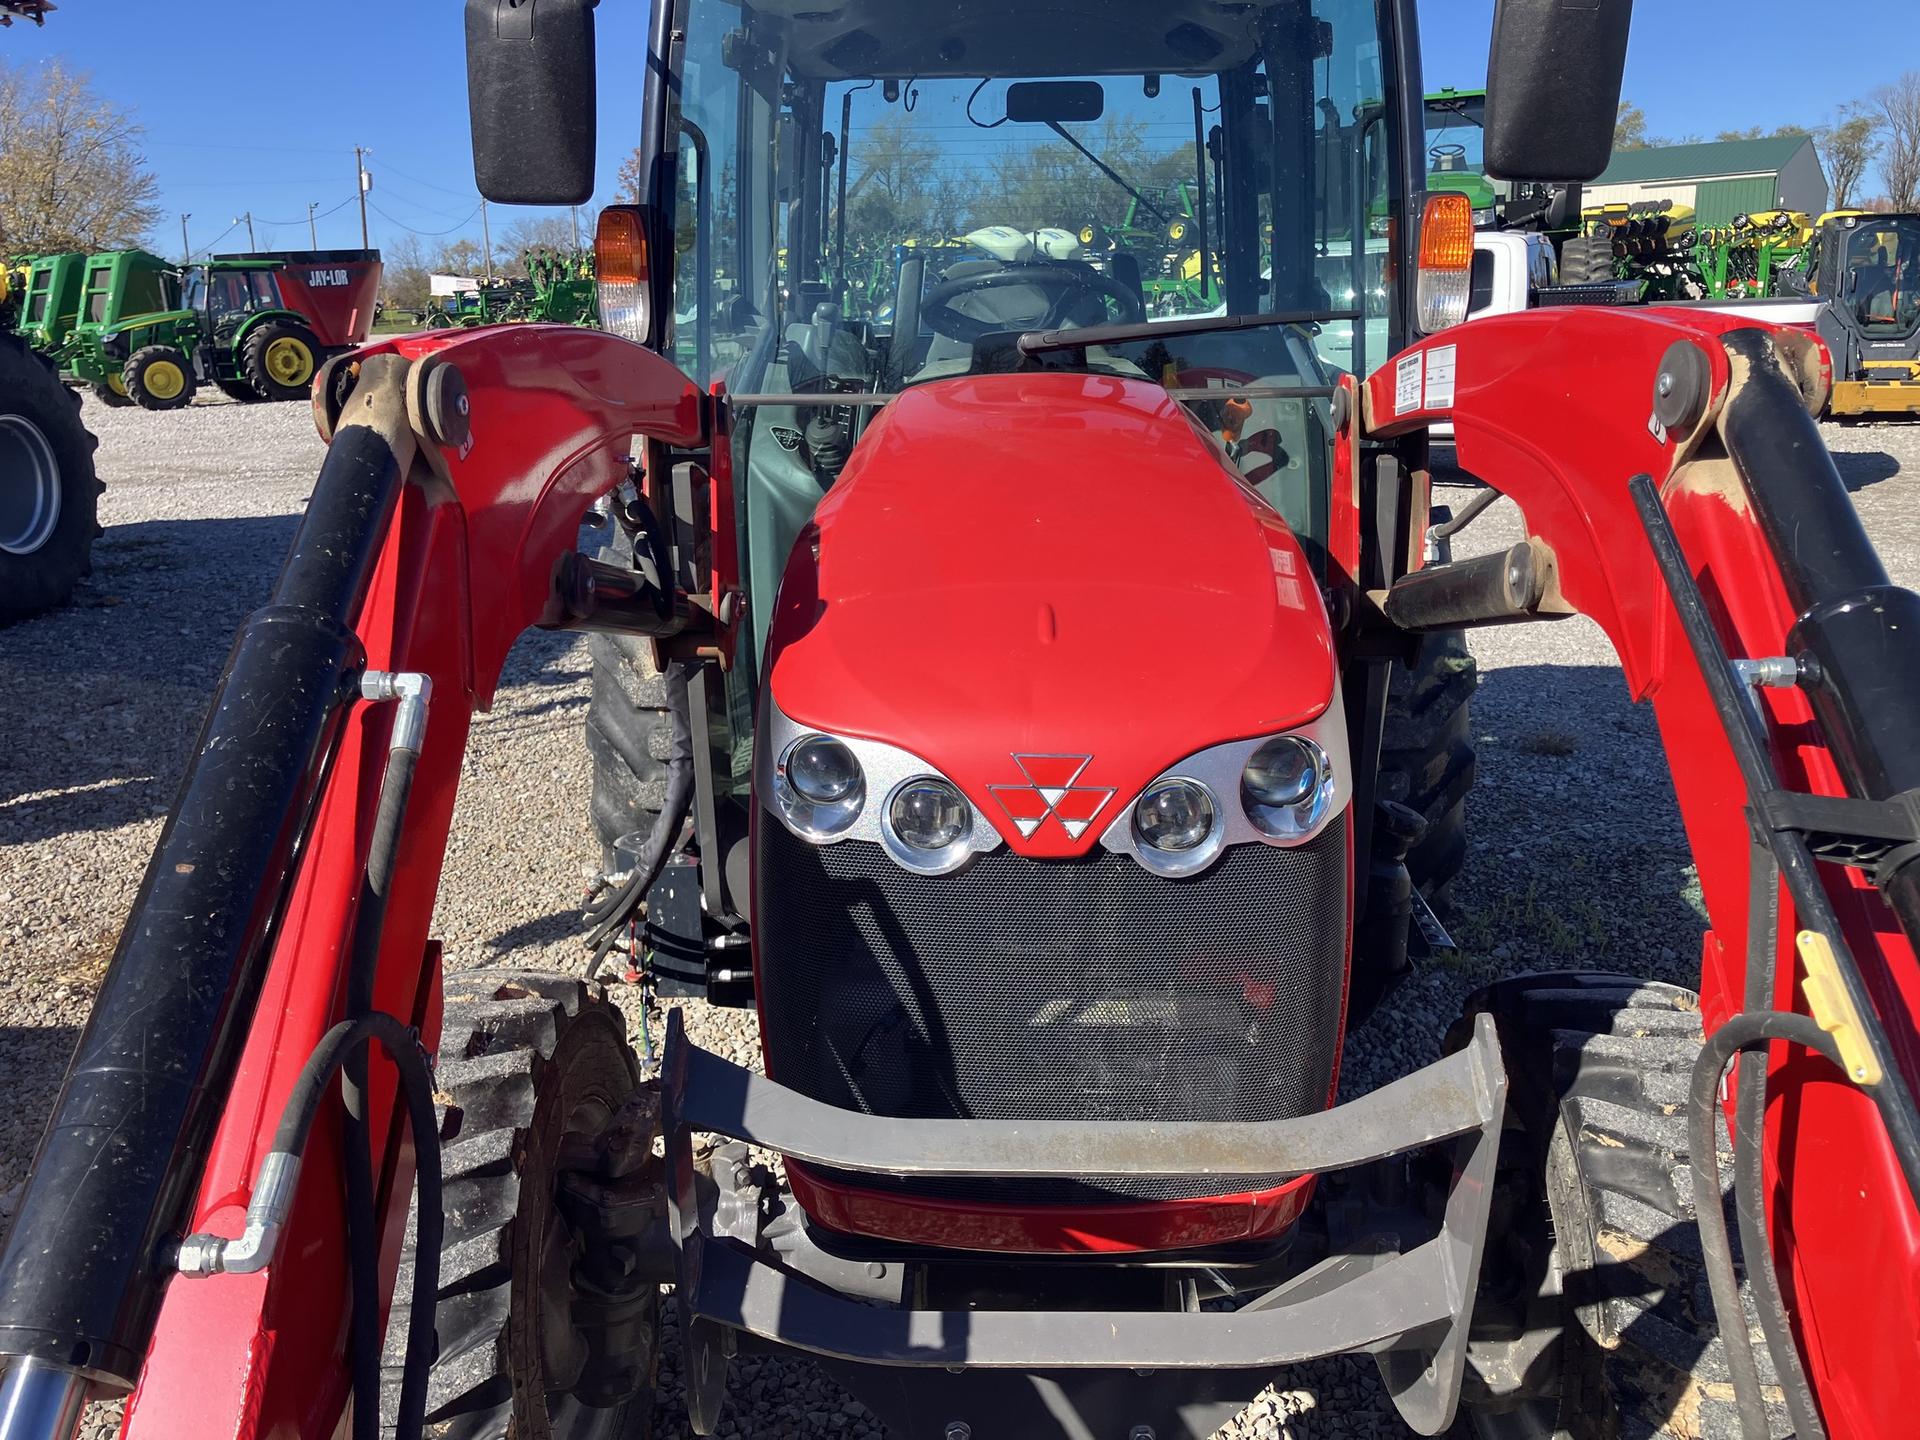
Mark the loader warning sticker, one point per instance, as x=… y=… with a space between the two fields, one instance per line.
x=1440 y=367
x=1409 y=382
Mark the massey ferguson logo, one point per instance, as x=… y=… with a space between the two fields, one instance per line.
x=1052 y=794
x=321 y=279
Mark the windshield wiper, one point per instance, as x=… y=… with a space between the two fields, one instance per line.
x=1044 y=342
x=1111 y=173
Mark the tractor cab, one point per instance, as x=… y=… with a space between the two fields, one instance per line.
x=225 y=294
x=867 y=205
x=1869 y=278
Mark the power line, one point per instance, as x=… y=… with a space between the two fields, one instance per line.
x=410 y=202
x=258 y=220
x=428 y=234
x=207 y=249
x=460 y=194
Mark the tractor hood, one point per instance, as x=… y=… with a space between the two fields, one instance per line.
x=1047 y=566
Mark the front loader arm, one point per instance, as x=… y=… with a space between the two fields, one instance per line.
x=458 y=473
x=1560 y=411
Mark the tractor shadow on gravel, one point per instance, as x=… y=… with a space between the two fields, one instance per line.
x=104 y=697
x=1860 y=469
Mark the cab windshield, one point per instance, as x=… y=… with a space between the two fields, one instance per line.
x=1883 y=276
x=920 y=178
x=1456 y=134
x=226 y=294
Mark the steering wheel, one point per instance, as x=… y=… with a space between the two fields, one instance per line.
x=1068 y=284
x=1442 y=154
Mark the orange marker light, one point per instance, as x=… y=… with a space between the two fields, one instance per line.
x=1446 y=262
x=1446 y=233
x=620 y=265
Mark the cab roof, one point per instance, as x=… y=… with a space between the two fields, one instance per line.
x=1019 y=38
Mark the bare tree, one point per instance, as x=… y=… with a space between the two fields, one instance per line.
x=404 y=277
x=627 y=185
x=1897 y=108
x=72 y=173
x=550 y=232
x=460 y=257
x=1847 y=148
x=1630 y=129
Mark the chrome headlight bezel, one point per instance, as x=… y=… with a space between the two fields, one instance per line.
x=1220 y=770
x=885 y=769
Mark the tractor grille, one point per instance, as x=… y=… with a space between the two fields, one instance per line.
x=1023 y=989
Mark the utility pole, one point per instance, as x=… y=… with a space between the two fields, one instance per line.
x=313 y=235
x=362 y=182
x=573 y=211
x=486 y=238
x=248 y=217
x=186 y=249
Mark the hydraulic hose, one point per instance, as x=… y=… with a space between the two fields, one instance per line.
x=362 y=1230
x=1750 y=1031
x=343 y=1043
x=606 y=918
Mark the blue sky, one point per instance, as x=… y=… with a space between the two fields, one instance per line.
x=388 y=74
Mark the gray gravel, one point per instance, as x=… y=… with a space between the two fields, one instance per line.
x=1578 y=857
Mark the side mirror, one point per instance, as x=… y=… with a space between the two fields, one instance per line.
x=530 y=94
x=1553 y=87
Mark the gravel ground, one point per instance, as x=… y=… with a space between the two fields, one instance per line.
x=101 y=702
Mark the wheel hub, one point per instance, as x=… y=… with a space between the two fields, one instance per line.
x=289 y=362
x=163 y=380
x=29 y=487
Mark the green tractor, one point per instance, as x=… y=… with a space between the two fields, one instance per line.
x=150 y=335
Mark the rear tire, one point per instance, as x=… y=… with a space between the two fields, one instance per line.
x=279 y=360
x=1592 y=1286
x=1427 y=758
x=240 y=390
x=1586 y=260
x=159 y=377
x=528 y=1063
x=111 y=392
x=629 y=728
x=49 y=494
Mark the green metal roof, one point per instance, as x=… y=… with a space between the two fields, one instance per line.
x=1698 y=162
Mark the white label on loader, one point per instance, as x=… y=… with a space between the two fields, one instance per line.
x=1440 y=366
x=1409 y=381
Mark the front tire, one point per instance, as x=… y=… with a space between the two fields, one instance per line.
x=240 y=390
x=530 y=1065
x=1427 y=758
x=112 y=392
x=629 y=728
x=159 y=377
x=1594 y=1320
x=279 y=360
x=49 y=494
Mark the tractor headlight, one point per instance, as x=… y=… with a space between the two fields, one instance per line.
x=1287 y=787
x=1178 y=829
x=819 y=786
x=929 y=825
x=1175 y=816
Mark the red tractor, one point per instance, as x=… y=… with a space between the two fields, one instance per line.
x=1027 y=675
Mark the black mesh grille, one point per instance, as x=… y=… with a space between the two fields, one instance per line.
x=1023 y=989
